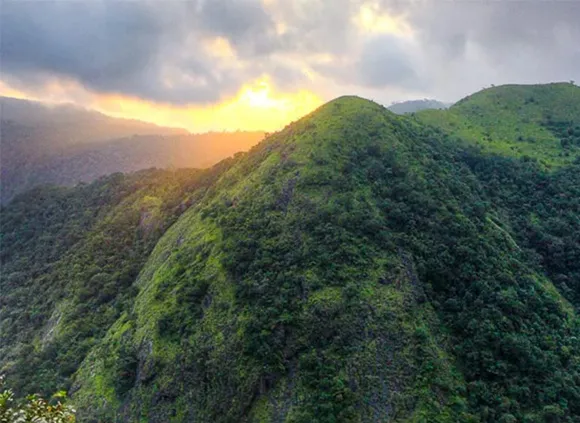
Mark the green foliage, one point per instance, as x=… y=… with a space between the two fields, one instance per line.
x=33 y=408
x=523 y=121
x=69 y=259
x=357 y=266
x=125 y=370
x=543 y=209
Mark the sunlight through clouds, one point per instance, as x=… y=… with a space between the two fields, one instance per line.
x=372 y=19
x=189 y=63
x=257 y=106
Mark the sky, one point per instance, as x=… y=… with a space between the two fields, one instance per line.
x=260 y=64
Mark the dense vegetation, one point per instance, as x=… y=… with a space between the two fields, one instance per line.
x=33 y=408
x=357 y=266
x=537 y=121
x=69 y=257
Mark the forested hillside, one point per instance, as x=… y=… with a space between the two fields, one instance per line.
x=65 y=145
x=69 y=258
x=357 y=266
x=541 y=122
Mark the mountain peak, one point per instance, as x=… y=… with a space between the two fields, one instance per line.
x=348 y=104
x=357 y=266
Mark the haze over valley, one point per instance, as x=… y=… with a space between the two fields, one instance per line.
x=64 y=145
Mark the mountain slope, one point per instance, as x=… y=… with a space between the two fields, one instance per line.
x=316 y=283
x=66 y=124
x=65 y=145
x=69 y=258
x=357 y=266
x=261 y=288
x=88 y=162
x=541 y=122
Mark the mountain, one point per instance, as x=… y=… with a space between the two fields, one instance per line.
x=357 y=266
x=43 y=127
x=540 y=122
x=413 y=106
x=54 y=238
x=64 y=145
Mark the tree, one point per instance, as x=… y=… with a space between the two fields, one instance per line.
x=33 y=408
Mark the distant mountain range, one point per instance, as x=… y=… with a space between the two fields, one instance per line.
x=64 y=145
x=416 y=105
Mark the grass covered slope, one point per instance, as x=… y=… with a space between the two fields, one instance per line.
x=350 y=268
x=536 y=121
x=69 y=257
x=269 y=301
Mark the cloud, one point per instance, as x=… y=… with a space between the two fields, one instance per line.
x=384 y=62
x=468 y=45
x=150 y=50
x=101 y=45
x=244 y=22
x=202 y=52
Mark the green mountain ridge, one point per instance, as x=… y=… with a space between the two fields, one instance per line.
x=357 y=266
x=541 y=122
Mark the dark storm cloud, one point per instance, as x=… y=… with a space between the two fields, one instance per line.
x=102 y=45
x=244 y=22
x=157 y=50
x=151 y=50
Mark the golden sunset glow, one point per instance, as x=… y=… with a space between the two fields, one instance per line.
x=257 y=106
x=259 y=96
x=371 y=19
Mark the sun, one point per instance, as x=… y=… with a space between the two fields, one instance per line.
x=257 y=106
x=259 y=96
